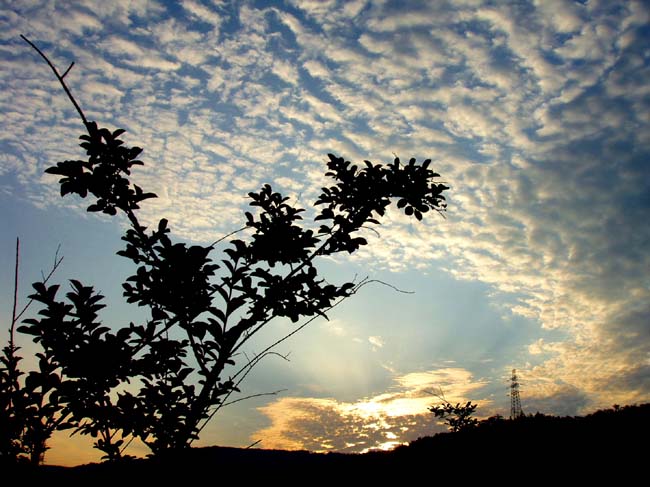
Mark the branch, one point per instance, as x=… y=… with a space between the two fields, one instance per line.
x=13 y=313
x=252 y=444
x=55 y=266
x=60 y=78
x=250 y=366
x=198 y=354
x=264 y=352
x=440 y=394
x=383 y=283
x=361 y=284
x=228 y=235
x=129 y=213
x=67 y=70
x=274 y=393
x=126 y=445
x=246 y=369
x=168 y=324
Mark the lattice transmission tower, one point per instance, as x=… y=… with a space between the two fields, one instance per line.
x=515 y=400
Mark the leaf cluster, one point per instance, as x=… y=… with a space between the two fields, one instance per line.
x=104 y=173
x=458 y=417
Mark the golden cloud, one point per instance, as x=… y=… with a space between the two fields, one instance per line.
x=378 y=422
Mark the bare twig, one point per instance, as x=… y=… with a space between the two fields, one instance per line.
x=268 y=349
x=252 y=445
x=248 y=367
x=227 y=235
x=372 y=230
x=439 y=394
x=383 y=283
x=67 y=70
x=127 y=444
x=274 y=393
x=55 y=266
x=13 y=313
x=60 y=78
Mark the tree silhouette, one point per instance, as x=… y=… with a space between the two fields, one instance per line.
x=29 y=408
x=458 y=417
x=162 y=380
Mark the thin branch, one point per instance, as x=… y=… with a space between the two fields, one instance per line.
x=200 y=358
x=372 y=230
x=13 y=313
x=267 y=351
x=383 y=283
x=274 y=393
x=264 y=352
x=127 y=445
x=440 y=395
x=246 y=369
x=252 y=363
x=129 y=213
x=55 y=266
x=227 y=235
x=252 y=445
x=285 y=279
x=250 y=366
x=361 y=284
x=60 y=78
x=67 y=70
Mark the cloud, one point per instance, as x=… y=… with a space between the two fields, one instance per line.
x=316 y=69
x=558 y=399
x=137 y=56
x=561 y=15
x=285 y=71
x=379 y=422
x=202 y=13
x=376 y=341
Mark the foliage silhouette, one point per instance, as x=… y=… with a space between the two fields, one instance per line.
x=29 y=408
x=458 y=417
x=162 y=380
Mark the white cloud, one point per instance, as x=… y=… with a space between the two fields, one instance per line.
x=136 y=55
x=285 y=71
x=77 y=21
x=562 y=15
x=202 y=13
x=316 y=69
x=376 y=342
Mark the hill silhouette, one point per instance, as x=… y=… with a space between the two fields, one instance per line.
x=609 y=443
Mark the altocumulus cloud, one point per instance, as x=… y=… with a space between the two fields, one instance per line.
x=536 y=113
x=379 y=422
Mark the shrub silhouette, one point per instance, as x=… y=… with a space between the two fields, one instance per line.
x=30 y=408
x=458 y=417
x=162 y=380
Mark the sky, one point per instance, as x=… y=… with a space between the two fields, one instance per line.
x=535 y=113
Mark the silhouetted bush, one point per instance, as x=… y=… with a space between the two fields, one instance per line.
x=178 y=363
x=458 y=417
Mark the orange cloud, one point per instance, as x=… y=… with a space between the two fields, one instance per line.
x=379 y=422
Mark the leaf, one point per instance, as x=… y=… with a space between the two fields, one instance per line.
x=158 y=314
x=29 y=330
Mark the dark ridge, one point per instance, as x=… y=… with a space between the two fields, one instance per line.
x=604 y=445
